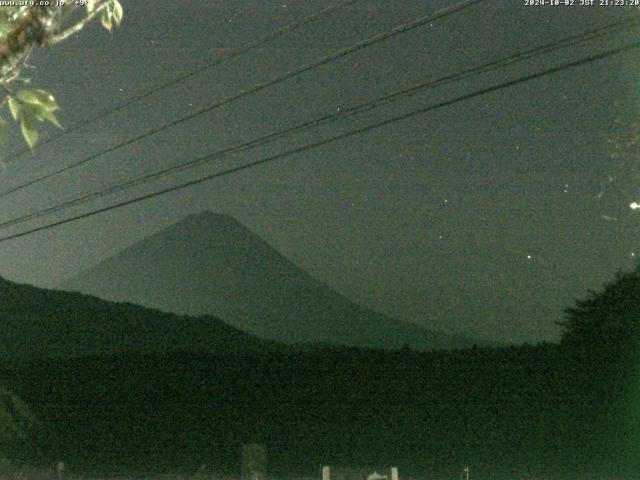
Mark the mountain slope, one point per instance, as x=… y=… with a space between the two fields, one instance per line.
x=39 y=323
x=211 y=264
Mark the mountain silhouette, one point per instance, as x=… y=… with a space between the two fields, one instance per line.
x=39 y=323
x=211 y=264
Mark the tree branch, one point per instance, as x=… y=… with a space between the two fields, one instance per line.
x=40 y=26
x=32 y=30
x=60 y=36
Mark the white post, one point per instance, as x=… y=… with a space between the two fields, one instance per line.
x=326 y=473
x=394 y=473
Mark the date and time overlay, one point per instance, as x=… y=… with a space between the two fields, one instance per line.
x=582 y=3
x=527 y=3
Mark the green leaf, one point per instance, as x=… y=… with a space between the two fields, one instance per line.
x=29 y=106
x=27 y=96
x=6 y=26
x=52 y=119
x=37 y=114
x=14 y=107
x=105 y=19
x=113 y=12
x=117 y=12
x=38 y=97
x=29 y=132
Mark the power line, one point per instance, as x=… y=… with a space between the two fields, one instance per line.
x=326 y=141
x=363 y=107
x=403 y=28
x=275 y=35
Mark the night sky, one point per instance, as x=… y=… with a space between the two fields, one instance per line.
x=483 y=217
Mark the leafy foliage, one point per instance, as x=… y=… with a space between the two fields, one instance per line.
x=515 y=412
x=29 y=107
x=607 y=320
x=9 y=16
x=113 y=13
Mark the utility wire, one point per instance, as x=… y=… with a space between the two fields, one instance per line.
x=342 y=136
x=403 y=28
x=330 y=118
x=269 y=37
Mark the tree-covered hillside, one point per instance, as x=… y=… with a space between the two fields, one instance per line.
x=512 y=411
x=551 y=411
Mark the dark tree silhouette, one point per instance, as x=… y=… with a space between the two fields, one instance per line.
x=601 y=355
x=608 y=320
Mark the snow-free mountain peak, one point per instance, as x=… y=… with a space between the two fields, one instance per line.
x=210 y=263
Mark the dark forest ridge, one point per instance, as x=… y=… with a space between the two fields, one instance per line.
x=561 y=411
x=509 y=413
x=211 y=264
x=40 y=323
